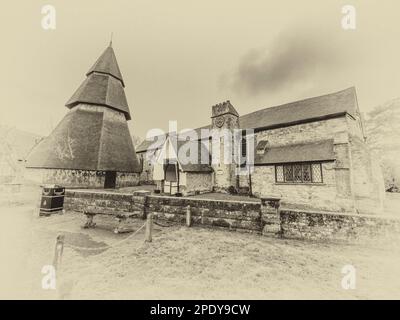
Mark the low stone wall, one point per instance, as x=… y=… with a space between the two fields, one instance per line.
x=234 y=215
x=100 y=202
x=264 y=217
x=318 y=226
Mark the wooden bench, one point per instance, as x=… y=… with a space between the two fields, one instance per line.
x=121 y=217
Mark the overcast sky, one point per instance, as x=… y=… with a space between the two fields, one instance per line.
x=179 y=57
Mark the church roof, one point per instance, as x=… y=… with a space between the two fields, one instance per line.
x=316 y=108
x=107 y=64
x=88 y=138
x=312 y=109
x=103 y=86
x=304 y=152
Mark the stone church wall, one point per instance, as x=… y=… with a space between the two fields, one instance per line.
x=197 y=182
x=322 y=196
x=352 y=183
x=127 y=179
x=334 y=194
x=305 y=132
x=146 y=176
x=78 y=178
x=368 y=183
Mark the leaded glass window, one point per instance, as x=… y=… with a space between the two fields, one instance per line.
x=288 y=173
x=316 y=172
x=306 y=173
x=279 y=174
x=299 y=173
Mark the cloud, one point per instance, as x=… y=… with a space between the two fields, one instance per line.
x=295 y=58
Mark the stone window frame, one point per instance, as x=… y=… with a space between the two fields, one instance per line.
x=289 y=168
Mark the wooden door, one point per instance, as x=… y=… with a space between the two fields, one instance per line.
x=110 y=181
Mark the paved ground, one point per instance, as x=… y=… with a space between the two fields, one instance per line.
x=181 y=263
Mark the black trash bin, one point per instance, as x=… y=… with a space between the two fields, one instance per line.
x=52 y=199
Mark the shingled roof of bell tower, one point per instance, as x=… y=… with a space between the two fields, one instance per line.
x=107 y=64
x=103 y=86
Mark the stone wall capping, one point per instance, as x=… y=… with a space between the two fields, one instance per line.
x=205 y=200
x=275 y=197
x=142 y=193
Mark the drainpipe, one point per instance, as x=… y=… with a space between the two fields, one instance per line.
x=250 y=186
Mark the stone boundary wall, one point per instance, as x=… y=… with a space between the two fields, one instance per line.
x=109 y=203
x=234 y=215
x=264 y=217
x=319 y=225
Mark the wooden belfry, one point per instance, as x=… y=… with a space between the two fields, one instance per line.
x=93 y=138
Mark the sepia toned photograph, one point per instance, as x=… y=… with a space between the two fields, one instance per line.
x=219 y=151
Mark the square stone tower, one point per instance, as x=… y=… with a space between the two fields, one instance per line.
x=224 y=120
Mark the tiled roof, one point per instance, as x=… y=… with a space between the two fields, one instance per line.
x=107 y=64
x=88 y=138
x=103 y=86
x=315 y=151
x=333 y=104
x=101 y=89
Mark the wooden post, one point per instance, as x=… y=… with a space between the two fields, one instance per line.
x=149 y=227
x=188 y=216
x=118 y=228
x=58 y=251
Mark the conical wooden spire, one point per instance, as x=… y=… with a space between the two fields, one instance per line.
x=103 y=86
x=107 y=64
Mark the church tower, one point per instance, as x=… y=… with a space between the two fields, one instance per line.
x=224 y=119
x=91 y=146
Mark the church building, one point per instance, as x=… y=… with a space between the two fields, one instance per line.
x=91 y=147
x=310 y=153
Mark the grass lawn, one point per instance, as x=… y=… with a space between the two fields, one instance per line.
x=183 y=263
